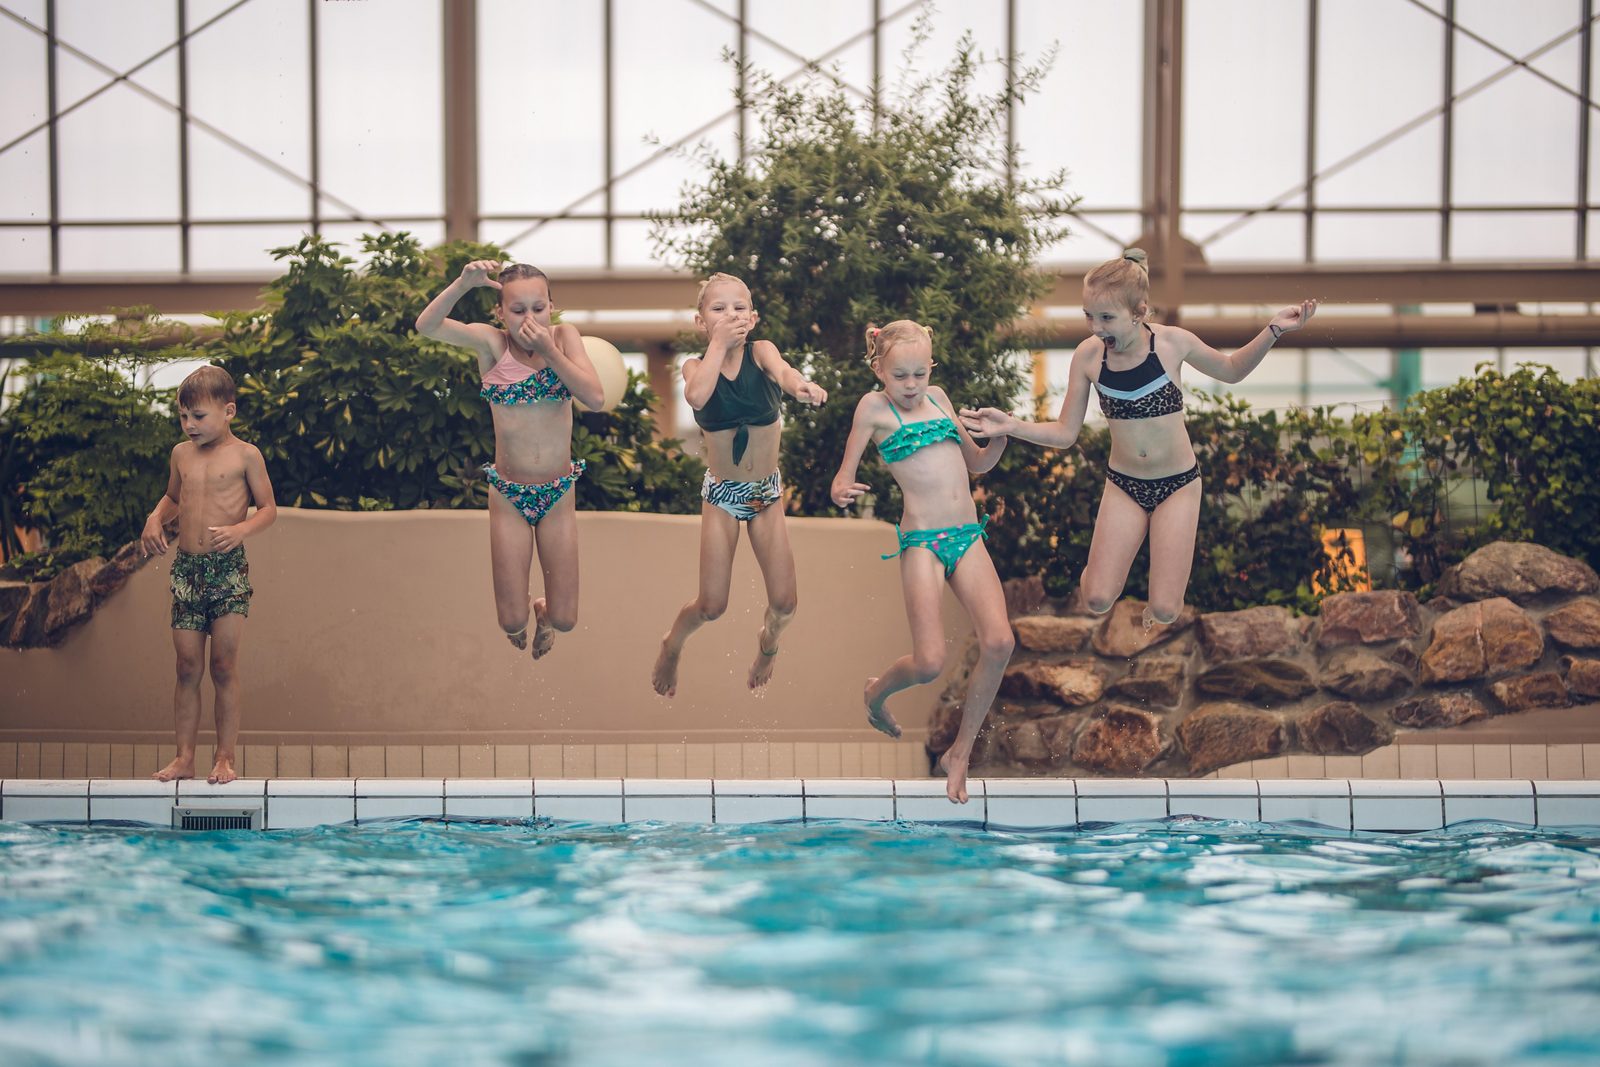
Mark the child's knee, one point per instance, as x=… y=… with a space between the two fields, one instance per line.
x=511 y=620
x=926 y=666
x=784 y=606
x=190 y=669
x=222 y=668
x=1165 y=612
x=711 y=609
x=562 y=621
x=997 y=645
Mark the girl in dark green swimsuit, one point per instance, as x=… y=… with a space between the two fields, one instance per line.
x=930 y=455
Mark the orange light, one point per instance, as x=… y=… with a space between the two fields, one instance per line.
x=1353 y=568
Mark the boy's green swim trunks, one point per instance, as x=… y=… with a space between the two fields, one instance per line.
x=208 y=585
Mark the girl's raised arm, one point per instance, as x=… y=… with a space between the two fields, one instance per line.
x=435 y=323
x=1246 y=358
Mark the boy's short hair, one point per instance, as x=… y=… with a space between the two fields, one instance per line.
x=207 y=383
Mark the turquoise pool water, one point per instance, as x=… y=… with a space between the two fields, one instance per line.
x=427 y=943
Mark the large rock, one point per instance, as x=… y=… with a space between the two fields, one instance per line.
x=1039 y=742
x=1490 y=637
x=1583 y=676
x=1517 y=570
x=1261 y=681
x=1358 y=674
x=1367 y=618
x=1023 y=595
x=118 y=569
x=1437 y=710
x=1218 y=735
x=1340 y=728
x=12 y=596
x=1123 y=740
x=1053 y=633
x=1253 y=632
x=1122 y=632
x=1156 y=680
x=1543 y=690
x=27 y=623
x=1577 y=625
x=71 y=597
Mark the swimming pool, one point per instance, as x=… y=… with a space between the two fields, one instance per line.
x=823 y=943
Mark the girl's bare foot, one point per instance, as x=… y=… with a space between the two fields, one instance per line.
x=179 y=768
x=222 y=771
x=877 y=713
x=955 y=773
x=664 y=676
x=544 y=635
x=761 y=669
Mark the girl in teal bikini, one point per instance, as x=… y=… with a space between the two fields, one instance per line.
x=941 y=539
x=531 y=371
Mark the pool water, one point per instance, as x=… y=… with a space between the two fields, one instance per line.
x=827 y=943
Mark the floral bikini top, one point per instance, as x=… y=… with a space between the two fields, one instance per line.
x=1143 y=392
x=513 y=382
x=912 y=437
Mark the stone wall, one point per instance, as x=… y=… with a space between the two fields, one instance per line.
x=1514 y=627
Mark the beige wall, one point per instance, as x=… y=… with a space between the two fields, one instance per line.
x=380 y=628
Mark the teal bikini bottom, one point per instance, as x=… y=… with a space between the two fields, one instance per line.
x=949 y=543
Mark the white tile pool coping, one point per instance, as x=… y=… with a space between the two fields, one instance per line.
x=1394 y=805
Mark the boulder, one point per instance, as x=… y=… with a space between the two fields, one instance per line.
x=1437 y=710
x=27 y=622
x=1023 y=595
x=1122 y=740
x=1583 y=676
x=1577 y=625
x=1074 y=684
x=118 y=569
x=1367 y=618
x=1039 y=742
x=1260 y=681
x=1518 y=570
x=1156 y=680
x=1253 y=632
x=1053 y=633
x=1217 y=735
x=1543 y=690
x=71 y=597
x=1358 y=674
x=1339 y=728
x=1490 y=637
x=1122 y=635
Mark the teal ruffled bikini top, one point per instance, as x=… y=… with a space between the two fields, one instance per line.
x=911 y=438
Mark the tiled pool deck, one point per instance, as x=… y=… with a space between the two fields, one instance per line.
x=1396 y=805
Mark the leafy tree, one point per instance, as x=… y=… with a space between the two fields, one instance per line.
x=844 y=215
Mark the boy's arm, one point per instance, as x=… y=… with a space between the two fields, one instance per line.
x=846 y=490
x=979 y=458
x=1061 y=432
x=1233 y=368
x=571 y=362
x=153 y=540
x=228 y=538
x=788 y=377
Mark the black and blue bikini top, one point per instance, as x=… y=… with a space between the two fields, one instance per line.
x=1144 y=392
x=912 y=437
x=749 y=398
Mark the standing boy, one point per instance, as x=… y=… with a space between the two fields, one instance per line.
x=215 y=478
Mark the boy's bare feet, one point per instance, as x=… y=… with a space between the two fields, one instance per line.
x=519 y=638
x=544 y=635
x=222 y=771
x=664 y=676
x=955 y=772
x=877 y=713
x=179 y=768
x=761 y=669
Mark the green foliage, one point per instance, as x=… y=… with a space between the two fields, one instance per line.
x=85 y=458
x=841 y=217
x=349 y=405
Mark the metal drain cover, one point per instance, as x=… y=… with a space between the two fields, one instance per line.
x=209 y=818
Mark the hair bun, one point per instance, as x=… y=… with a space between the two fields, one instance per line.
x=1136 y=255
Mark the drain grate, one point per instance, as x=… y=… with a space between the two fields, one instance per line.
x=216 y=818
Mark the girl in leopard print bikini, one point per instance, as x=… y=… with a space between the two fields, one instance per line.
x=1152 y=480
